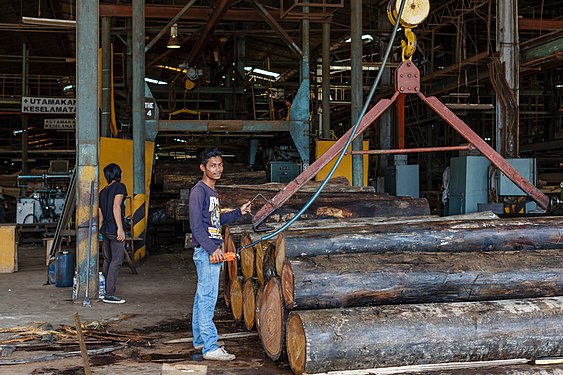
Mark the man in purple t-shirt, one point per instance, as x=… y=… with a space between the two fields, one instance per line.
x=205 y=222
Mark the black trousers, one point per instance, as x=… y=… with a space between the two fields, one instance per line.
x=114 y=253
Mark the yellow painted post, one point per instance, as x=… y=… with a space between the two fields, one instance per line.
x=139 y=226
x=9 y=249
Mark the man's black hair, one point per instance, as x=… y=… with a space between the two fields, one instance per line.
x=209 y=153
x=112 y=172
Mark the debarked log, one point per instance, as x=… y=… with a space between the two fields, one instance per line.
x=401 y=335
x=473 y=235
x=329 y=281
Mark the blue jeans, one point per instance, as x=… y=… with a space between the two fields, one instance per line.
x=203 y=328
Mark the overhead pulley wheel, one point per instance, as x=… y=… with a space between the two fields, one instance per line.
x=414 y=12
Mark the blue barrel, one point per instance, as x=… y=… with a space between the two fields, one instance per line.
x=64 y=269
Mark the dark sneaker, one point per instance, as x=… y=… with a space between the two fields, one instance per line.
x=113 y=299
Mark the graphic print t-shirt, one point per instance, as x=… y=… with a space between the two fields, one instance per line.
x=206 y=217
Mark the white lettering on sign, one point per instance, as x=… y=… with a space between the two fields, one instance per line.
x=150 y=109
x=48 y=105
x=60 y=123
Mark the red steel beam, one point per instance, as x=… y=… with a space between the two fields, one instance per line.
x=536 y=24
x=401 y=121
x=291 y=188
x=195 y=13
x=411 y=150
x=466 y=132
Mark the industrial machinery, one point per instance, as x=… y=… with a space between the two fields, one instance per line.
x=281 y=164
x=45 y=204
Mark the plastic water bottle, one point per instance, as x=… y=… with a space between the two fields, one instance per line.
x=74 y=287
x=102 y=286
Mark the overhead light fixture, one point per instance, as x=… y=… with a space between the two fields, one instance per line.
x=173 y=42
x=366 y=38
x=155 y=81
x=263 y=74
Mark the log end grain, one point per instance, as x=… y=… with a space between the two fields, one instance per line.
x=288 y=286
x=247 y=257
x=236 y=298
x=269 y=263
x=226 y=287
x=259 y=261
x=280 y=253
x=272 y=320
x=257 y=307
x=296 y=344
x=233 y=265
x=249 y=303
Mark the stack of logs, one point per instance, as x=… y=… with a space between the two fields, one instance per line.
x=363 y=293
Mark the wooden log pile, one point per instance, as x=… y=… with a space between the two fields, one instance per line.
x=356 y=294
x=338 y=200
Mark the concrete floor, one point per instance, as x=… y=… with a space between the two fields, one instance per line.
x=160 y=300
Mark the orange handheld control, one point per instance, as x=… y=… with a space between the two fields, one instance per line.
x=229 y=257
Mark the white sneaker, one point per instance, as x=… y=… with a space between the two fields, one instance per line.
x=219 y=354
x=199 y=347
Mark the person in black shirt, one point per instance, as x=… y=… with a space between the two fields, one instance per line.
x=111 y=214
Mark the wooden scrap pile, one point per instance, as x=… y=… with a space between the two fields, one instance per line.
x=99 y=337
x=333 y=295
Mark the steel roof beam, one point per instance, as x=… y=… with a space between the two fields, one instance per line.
x=195 y=13
x=216 y=16
x=277 y=28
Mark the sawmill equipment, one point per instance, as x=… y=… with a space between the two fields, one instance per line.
x=407 y=82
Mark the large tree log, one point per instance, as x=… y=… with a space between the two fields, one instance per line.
x=269 y=263
x=334 y=204
x=249 y=302
x=174 y=182
x=247 y=257
x=370 y=278
x=258 y=306
x=259 y=261
x=238 y=230
x=335 y=185
x=273 y=317
x=400 y=335
x=226 y=287
x=474 y=235
x=236 y=298
x=232 y=266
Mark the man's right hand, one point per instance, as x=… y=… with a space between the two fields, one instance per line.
x=217 y=256
x=120 y=235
